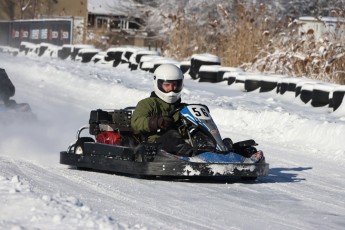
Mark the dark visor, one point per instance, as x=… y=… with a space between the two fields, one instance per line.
x=179 y=85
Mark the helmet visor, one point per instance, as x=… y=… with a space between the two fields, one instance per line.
x=170 y=85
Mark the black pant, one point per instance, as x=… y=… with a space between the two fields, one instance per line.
x=171 y=141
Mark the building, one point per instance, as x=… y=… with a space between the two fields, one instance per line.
x=113 y=15
x=115 y=18
x=322 y=26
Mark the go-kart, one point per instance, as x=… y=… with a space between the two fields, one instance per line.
x=111 y=146
x=10 y=110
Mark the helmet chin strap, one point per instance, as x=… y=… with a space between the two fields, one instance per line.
x=170 y=97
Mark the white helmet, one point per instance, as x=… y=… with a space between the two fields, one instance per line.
x=168 y=73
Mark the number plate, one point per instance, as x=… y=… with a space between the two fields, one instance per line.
x=199 y=112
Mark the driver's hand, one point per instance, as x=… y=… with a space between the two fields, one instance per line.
x=160 y=122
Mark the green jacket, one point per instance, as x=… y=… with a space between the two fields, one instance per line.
x=151 y=107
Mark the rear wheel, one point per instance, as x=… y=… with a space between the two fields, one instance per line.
x=79 y=144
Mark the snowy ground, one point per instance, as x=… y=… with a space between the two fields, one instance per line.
x=304 y=146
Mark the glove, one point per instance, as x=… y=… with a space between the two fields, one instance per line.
x=161 y=122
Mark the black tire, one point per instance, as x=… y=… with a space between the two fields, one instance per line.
x=203 y=142
x=228 y=143
x=79 y=144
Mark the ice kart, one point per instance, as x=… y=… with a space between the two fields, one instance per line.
x=9 y=108
x=116 y=149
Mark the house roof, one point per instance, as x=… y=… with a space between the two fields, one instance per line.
x=109 y=7
x=321 y=19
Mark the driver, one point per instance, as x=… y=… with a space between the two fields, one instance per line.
x=151 y=116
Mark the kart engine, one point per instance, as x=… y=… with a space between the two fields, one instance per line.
x=107 y=137
x=107 y=126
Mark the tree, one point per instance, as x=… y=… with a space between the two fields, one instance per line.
x=30 y=9
x=8 y=7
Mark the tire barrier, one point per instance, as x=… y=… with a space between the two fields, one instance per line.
x=77 y=48
x=306 y=92
x=300 y=83
x=293 y=84
x=252 y=82
x=281 y=86
x=322 y=94
x=135 y=58
x=65 y=51
x=46 y=49
x=268 y=83
x=147 y=62
x=9 y=50
x=185 y=66
x=28 y=48
x=127 y=53
x=87 y=54
x=240 y=81
x=209 y=73
x=251 y=85
x=99 y=58
x=132 y=64
x=114 y=55
x=240 y=78
x=230 y=77
x=197 y=60
x=150 y=63
x=298 y=90
x=205 y=67
x=23 y=48
x=142 y=53
x=147 y=66
x=287 y=84
x=155 y=66
x=337 y=97
x=223 y=69
x=43 y=47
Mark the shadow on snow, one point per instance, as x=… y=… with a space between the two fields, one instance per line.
x=276 y=175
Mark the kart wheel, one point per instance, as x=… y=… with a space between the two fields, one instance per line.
x=79 y=144
x=203 y=142
x=228 y=143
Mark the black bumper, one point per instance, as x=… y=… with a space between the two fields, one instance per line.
x=163 y=166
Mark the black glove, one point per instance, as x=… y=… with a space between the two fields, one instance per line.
x=161 y=122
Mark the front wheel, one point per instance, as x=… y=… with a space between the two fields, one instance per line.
x=228 y=143
x=79 y=144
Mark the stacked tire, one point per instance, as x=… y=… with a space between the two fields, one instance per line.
x=198 y=60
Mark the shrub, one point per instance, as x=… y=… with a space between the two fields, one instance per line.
x=254 y=39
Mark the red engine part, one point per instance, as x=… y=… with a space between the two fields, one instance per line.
x=110 y=138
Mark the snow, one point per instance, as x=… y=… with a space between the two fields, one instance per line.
x=304 y=146
x=324 y=87
x=209 y=68
x=206 y=57
x=230 y=69
x=108 y=7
